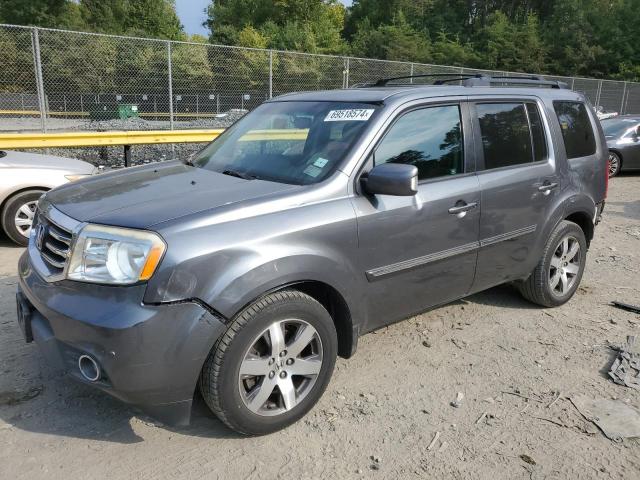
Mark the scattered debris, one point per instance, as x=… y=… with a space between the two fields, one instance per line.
x=625 y=369
x=375 y=465
x=527 y=459
x=458 y=401
x=552 y=421
x=626 y=306
x=554 y=402
x=426 y=343
x=482 y=417
x=433 y=442
x=522 y=396
x=443 y=447
x=616 y=419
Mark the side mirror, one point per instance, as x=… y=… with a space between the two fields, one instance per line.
x=392 y=179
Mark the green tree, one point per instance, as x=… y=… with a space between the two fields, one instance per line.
x=398 y=41
x=312 y=26
x=152 y=18
x=41 y=13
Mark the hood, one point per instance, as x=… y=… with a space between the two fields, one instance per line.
x=47 y=162
x=140 y=197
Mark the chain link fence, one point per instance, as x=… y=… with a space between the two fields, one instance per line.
x=60 y=80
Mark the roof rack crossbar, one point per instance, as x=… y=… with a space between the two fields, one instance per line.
x=382 y=82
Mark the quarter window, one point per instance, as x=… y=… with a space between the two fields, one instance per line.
x=537 y=133
x=429 y=138
x=506 y=139
x=577 y=131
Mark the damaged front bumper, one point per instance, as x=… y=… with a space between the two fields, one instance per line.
x=147 y=355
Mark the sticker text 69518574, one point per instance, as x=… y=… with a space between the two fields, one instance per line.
x=352 y=114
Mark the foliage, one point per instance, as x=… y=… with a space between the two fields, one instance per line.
x=563 y=37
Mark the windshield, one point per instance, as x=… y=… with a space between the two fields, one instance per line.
x=289 y=142
x=616 y=127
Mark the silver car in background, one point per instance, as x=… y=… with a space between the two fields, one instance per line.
x=24 y=177
x=623 y=139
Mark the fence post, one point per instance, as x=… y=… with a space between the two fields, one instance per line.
x=37 y=65
x=624 y=93
x=170 y=86
x=599 y=93
x=411 y=74
x=346 y=72
x=573 y=83
x=270 y=73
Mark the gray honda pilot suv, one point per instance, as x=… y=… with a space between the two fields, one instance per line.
x=316 y=218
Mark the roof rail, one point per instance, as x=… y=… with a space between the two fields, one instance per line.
x=471 y=80
x=533 y=80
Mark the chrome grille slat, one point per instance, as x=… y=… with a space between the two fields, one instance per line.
x=55 y=244
x=55 y=233
x=51 y=261
x=58 y=251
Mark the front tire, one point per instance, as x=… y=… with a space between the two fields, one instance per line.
x=17 y=215
x=614 y=164
x=272 y=364
x=558 y=274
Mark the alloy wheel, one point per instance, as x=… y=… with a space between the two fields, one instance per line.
x=565 y=265
x=24 y=218
x=614 y=164
x=280 y=367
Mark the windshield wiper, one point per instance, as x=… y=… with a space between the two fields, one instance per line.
x=235 y=173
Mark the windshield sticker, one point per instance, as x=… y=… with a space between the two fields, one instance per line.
x=350 y=115
x=320 y=162
x=312 y=171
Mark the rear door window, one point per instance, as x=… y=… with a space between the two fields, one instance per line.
x=506 y=138
x=577 y=131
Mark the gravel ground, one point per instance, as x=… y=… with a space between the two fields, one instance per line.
x=384 y=407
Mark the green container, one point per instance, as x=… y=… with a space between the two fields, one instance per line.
x=110 y=111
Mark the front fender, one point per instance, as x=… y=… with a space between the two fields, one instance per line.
x=229 y=280
x=245 y=283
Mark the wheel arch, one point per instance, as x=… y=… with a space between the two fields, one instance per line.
x=584 y=220
x=333 y=301
x=6 y=199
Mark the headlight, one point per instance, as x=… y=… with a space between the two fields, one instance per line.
x=115 y=255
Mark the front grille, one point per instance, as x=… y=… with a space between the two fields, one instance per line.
x=53 y=242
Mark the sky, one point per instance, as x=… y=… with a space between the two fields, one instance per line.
x=192 y=15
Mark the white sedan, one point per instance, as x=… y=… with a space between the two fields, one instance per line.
x=24 y=177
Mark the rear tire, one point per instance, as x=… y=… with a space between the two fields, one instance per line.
x=614 y=164
x=558 y=274
x=272 y=364
x=17 y=215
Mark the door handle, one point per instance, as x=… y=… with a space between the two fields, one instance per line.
x=462 y=208
x=547 y=187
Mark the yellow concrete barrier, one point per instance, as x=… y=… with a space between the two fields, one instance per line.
x=94 y=139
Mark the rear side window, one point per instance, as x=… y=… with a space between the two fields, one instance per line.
x=577 y=131
x=429 y=138
x=506 y=138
